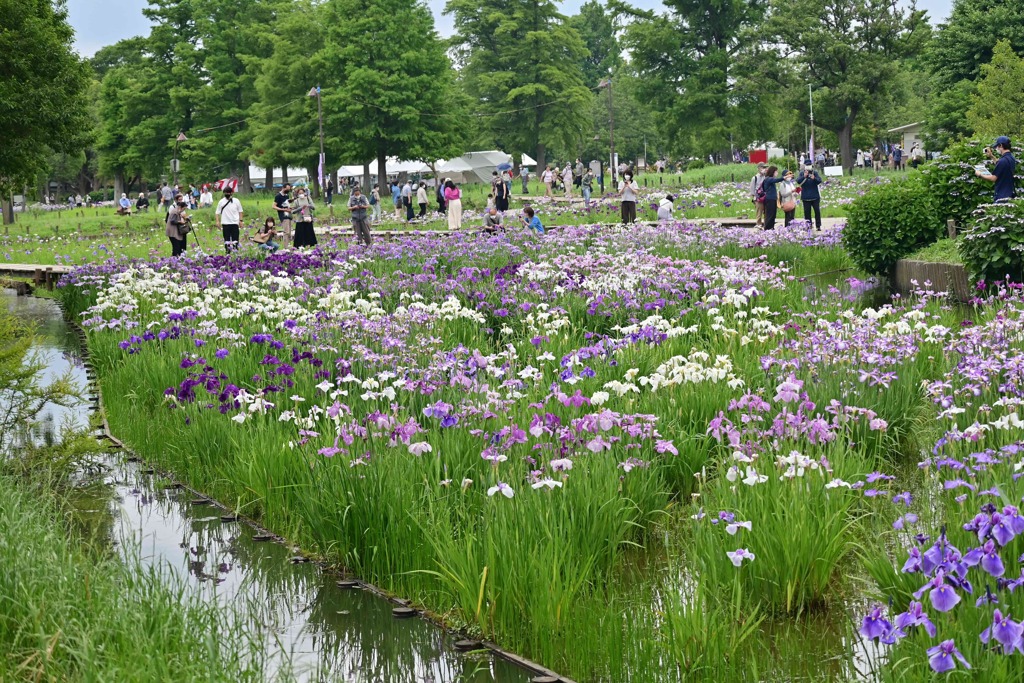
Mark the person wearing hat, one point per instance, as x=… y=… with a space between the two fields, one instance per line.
x=177 y=217
x=229 y=218
x=1002 y=174
x=756 y=195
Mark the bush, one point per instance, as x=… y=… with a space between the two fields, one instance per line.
x=992 y=247
x=889 y=222
x=694 y=164
x=950 y=178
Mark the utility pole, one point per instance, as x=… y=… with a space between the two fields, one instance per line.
x=607 y=83
x=174 y=162
x=810 y=151
x=315 y=92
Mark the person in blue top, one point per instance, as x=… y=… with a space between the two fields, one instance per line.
x=808 y=182
x=531 y=221
x=771 y=196
x=396 y=198
x=1003 y=173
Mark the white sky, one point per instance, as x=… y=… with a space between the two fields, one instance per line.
x=103 y=22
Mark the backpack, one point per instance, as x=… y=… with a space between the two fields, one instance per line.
x=760 y=194
x=373 y=198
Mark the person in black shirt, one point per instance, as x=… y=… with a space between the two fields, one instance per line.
x=283 y=207
x=1004 y=171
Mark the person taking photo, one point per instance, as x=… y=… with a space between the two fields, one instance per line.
x=809 y=181
x=1002 y=174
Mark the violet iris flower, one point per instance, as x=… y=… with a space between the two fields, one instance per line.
x=941 y=657
x=914 y=616
x=875 y=625
x=1005 y=631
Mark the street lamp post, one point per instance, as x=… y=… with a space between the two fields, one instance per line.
x=315 y=92
x=174 y=162
x=607 y=83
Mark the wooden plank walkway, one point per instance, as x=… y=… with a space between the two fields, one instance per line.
x=42 y=275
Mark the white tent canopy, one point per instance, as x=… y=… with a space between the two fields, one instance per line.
x=394 y=166
x=473 y=167
x=258 y=175
x=527 y=160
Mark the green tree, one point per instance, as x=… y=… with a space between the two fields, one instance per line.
x=849 y=51
x=694 y=67
x=597 y=27
x=961 y=46
x=43 y=86
x=996 y=105
x=521 y=61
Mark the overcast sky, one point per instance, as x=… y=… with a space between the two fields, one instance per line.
x=103 y=22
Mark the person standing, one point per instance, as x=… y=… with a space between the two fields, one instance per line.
x=305 y=235
x=407 y=200
x=547 y=178
x=524 y=175
x=396 y=199
x=329 y=191
x=809 y=182
x=787 y=197
x=756 y=194
x=166 y=198
x=577 y=173
x=282 y=204
x=453 y=198
x=358 y=204
x=771 y=197
x=421 y=199
x=229 y=218
x=876 y=159
x=628 y=191
x=501 y=196
x=587 y=186
x=176 y=219
x=442 y=205
x=1002 y=175
x=506 y=177
x=897 y=155
x=375 y=203
x=567 y=180
x=193 y=196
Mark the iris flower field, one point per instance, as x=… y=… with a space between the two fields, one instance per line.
x=655 y=453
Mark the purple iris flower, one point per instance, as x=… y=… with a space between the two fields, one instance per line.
x=914 y=616
x=940 y=657
x=1005 y=631
x=988 y=557
x=875 y=625
x=943 y=596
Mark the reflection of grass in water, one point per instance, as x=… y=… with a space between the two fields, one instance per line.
x=71 y=615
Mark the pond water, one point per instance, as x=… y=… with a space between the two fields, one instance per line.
x=310 y=626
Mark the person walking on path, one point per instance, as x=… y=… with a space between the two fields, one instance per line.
x=547 y=179
x=375 y=203
x=757 y=196
x=809 y=182
x=421 y=199
x=628 y=191
x=1002 y=175
x=453 y=198
x=175 y=231
x=567 y=180
x=358 y=204
x=229 y=218
x=771 y=197
x=305 y=235
x=407 y=200
x=524 y=175
x=788 y=197
x=282 y=204
x=501 y=197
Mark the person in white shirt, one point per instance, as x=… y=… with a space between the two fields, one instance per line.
x=547 y=178
x=628 y=190
x=665 y=208
x=229 y=218
x=206 y=197
x=421 y=198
